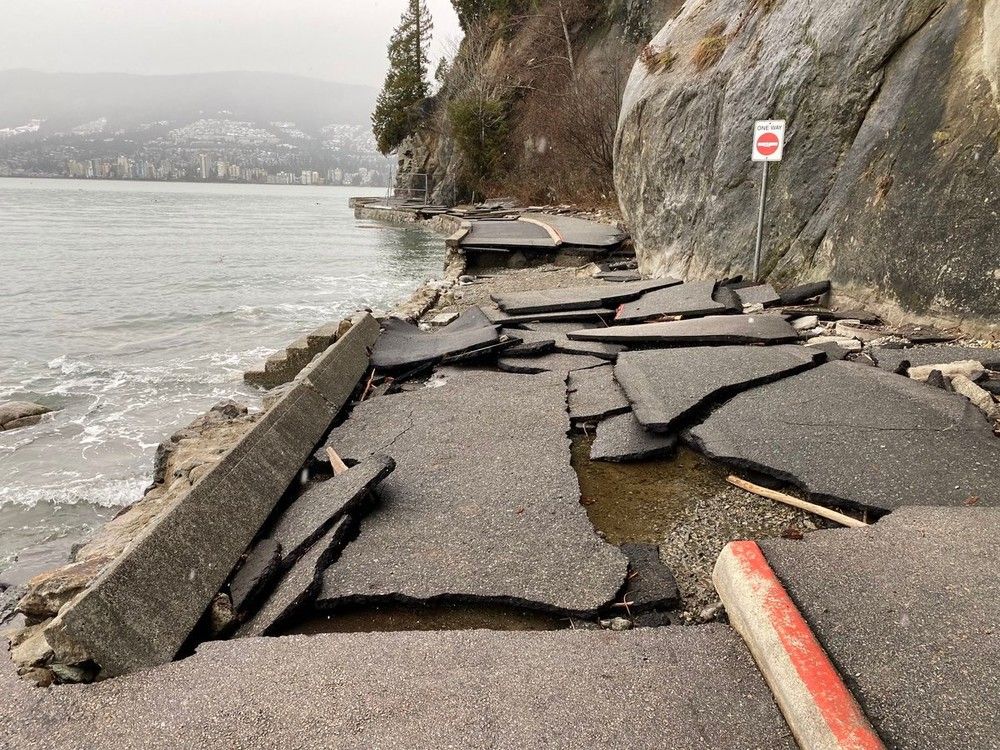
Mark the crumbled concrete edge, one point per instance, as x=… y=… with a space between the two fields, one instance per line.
x=61 y=649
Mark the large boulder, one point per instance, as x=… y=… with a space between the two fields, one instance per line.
x=15 y=414
x=891 y=178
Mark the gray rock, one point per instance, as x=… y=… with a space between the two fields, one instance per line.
x=898 y=360
x=476 y=690
x=559 y=363
x=717 y=329
x=9 y=598
x=868 y=89
x=832 y=350
x=667 y=387
x=689 y=299
x=318 y=508
x=622 y=438
x=123 y=622
x=577 y=298
x=651 y=585
x=938 y=380
x=859 y=436
x=483 y=504
x=911 y=601
x=403 y=345
x=17 y=414
x=761 y=294
x=261 y=567
x=299 y=585
x=594 y=394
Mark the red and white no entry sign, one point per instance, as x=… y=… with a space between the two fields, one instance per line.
x=768 y=140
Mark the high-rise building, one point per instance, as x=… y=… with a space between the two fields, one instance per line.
x=203 y=166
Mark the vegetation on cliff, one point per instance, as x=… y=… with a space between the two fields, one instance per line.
x=406 y=82
x=529 y=105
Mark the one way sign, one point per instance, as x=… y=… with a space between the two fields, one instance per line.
x=768 y=140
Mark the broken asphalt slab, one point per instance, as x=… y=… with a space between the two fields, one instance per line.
x=560 y=331
x=713 y=330
x=311 y=514
x=682 y=688
x=560 y=363
x=692 y=298
x=797 y=295
x=594 y=394
x=508 y=234
x=597 y=316
x=403 y=345
x=855 y=435
x=299 y=585
x=651 y=584
x=907 y=611
x=622 y=438
x=483 y=504
x=572 y=230
x=919 y=356
x=578 y=297
x=261 y=567
x=667 y=386
x=532 y=344
x=760 y=294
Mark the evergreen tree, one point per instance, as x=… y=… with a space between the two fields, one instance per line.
x=406 y=82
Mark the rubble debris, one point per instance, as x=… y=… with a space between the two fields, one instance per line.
x=979 y=397
x=403 y=346
x=689 y=299
x=261 y=566
x=758 y=294
x=310 y=515
x=483 y=504
x=598 y=316
x=968 y=368
x=622 y=438
x=804 y=292
x=859 y=436
x=666 y=386
x=824 y=313
x=594 y=394
x=899 y=360
x=577 y=298
x=532 y=343
x=717 y=329
x=299 y=585
x=651 y=585
x=849 y=345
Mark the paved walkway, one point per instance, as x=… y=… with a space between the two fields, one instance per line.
x=655 y=688
x=908 y=610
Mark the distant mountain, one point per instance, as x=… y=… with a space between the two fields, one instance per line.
x=68 y=100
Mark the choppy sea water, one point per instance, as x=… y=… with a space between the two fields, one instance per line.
x=133 y=307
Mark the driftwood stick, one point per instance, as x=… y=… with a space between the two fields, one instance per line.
x=339 y=467
x=781 y=497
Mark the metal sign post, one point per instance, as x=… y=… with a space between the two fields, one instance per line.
x=768 y=146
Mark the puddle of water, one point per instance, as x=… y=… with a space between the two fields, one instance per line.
x=643 y=500
x=392 y=617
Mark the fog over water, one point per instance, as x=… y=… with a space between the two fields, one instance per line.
x=133 y=307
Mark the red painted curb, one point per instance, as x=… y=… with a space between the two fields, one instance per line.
x=823 y=686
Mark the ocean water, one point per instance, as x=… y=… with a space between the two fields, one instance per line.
x=133 y=307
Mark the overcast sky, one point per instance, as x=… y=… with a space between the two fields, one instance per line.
x=338 y=40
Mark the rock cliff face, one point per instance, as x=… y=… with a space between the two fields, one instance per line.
x=891 y=177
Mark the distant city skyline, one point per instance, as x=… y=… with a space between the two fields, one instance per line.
x=333 y=40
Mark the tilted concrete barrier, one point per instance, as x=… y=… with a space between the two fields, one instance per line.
x=144 y=606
